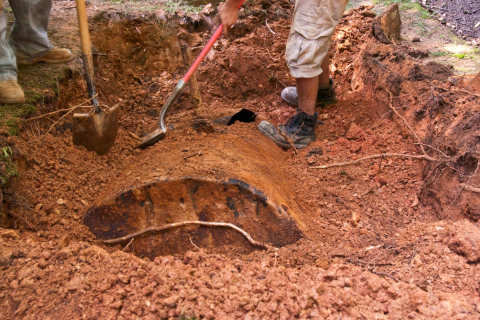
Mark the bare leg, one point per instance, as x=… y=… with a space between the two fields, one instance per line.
x=324 y=77
x=307 y=89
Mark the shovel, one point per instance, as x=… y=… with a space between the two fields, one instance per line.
x=159 y=134
x=97 y=129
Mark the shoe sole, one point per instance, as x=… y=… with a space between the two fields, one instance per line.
x=51 y=61
x=12 y=101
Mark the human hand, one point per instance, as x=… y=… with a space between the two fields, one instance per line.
x=229 y=14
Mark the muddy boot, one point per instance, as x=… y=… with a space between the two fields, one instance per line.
x=324 y=96
x=56 y=55
x=299 y=131
x=11 y=93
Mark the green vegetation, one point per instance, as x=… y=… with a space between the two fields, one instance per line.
x=439 y=54
x=40 y=84
x=171 y=6
x=459 y=55
x=343 y=173
x=9 y=168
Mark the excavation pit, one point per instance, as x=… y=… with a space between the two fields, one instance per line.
x=219 y=178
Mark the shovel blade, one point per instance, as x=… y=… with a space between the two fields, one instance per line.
x=152 y=138
x=96 y=131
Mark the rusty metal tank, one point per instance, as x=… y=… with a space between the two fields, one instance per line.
x=217 y=178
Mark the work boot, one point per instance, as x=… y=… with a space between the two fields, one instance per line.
x=324 y=96
x=56 y=55
x=11 y=93
x=299 y=130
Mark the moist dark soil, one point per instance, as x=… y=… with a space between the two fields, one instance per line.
x=463 y=16
x=394 y=235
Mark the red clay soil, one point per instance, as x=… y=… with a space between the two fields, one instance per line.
x=388 y=238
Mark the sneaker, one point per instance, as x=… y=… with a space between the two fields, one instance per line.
x=11 y=93
x=56 y=55
x=324 y=96
x=299 y=131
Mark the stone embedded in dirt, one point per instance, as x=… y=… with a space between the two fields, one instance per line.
x=369 y=14
x=38 y=206
x=6 y=256
x=465 y=240
x=75 y=283
x=202 y=125
x=416 y=39
x=64 y=253
x=355 y=218
x=354 y=132
x=387 y=26
x=474 y=84
x=9 y=234
x=171 y=301
x=417 y=53
x=64 y=243
x=152 y=113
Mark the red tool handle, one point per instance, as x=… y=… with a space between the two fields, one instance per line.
x=205 y=50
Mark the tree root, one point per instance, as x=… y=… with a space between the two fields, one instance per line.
x=184 y=223
x=377 y=156
x=471 y=189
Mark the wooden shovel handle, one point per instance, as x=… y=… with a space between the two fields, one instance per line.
x=86 y=50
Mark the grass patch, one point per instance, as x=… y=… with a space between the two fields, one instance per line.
x=8 y=169
x=459 y=55
x=40 y=83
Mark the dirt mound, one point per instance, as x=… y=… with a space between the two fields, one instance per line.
x=205 y=286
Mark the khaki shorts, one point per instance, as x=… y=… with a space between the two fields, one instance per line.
x=311 y=33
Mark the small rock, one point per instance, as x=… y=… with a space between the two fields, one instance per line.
x=9 y=234
x=369 y=14
x=38 y=206
x=64 y=243
x=46 y=255
x=64 y=253
x=152 y=113
x=14 y=284
x=355 y=218
x=60 y=201
x=416 y=39
x=85 y=203
x=171 y=302
x=27 y=282
x=243 y=301
x=74 y=284
x=125 y=279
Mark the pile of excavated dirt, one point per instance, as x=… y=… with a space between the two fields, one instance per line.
x=388 y=237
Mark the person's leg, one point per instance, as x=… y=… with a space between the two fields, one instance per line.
x=307 y=58
x=324 y=77
x=307 y=89
x=8 y=66
x=10 y=92
x=29 y=38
